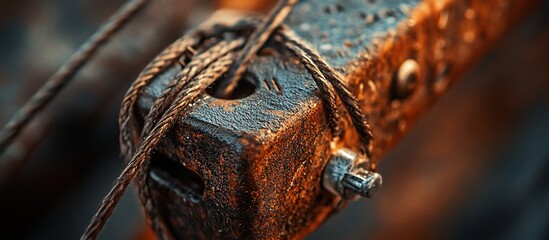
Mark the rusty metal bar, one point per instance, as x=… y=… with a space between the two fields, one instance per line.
x=252 y=167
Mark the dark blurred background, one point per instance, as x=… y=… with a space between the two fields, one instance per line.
x=475 y=166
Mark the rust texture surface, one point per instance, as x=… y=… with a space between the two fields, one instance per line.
x=251 y=167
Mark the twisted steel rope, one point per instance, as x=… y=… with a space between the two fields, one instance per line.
x=350 y=102
x=61 y=77
x=327 y=93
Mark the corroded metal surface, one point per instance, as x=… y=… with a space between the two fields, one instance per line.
x=251 y=167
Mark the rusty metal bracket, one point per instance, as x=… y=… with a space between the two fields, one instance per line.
x=252 y=167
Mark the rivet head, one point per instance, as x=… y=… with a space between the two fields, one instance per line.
x=406 y=79
x=347 y=175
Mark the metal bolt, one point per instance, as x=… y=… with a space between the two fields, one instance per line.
x=347 y=175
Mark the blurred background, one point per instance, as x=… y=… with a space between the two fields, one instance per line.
x=475 y=166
